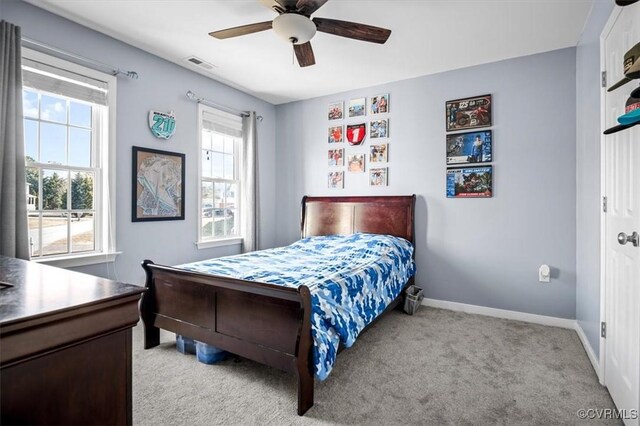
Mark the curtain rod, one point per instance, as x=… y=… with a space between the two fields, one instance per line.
x=114 y=70
x=205 y=101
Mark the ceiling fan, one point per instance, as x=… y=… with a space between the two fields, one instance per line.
x=295 y=25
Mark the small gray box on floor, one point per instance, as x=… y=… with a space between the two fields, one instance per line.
x=413 y=299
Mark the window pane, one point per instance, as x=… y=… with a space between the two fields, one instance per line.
x=207 y=199
x=82 y=232
x=228 y=166
x=82 y=191
x=79 y=114
x=206 y=163
x=228 y=145
x=217 y=142
x=55 y=233
x=230 y=195
x=217 y=164
x=230 y=222
x=207 y=209
x=207 y=227
x=31 y=140
x=79 y=147
x=55 y=184
x=53 y=143
x=30 y=104
x=33 y=184
x=53 y=109
x=218 y=195
x=218 y=223
x=218 y=212
x=34 y=232
x=206 y=140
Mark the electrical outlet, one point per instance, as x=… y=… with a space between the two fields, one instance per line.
x=544 y=273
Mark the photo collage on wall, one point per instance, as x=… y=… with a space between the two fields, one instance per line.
x=358 y=135
x=469 y=151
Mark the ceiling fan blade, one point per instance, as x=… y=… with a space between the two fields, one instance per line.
x=242 y=30
x=308 y=7
x=304 y=53
x=352 y=30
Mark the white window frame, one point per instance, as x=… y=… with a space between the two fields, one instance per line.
x=105 y=181
x=202 y=243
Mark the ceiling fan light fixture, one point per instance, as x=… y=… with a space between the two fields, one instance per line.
x=294 y=28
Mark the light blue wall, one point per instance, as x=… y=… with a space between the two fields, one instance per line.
x=481 y=252
x=162 y=85
x=588 y=143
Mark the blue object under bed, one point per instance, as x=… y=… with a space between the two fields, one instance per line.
x=352 y=279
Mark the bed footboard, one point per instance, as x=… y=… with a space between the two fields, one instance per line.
x=265 y=323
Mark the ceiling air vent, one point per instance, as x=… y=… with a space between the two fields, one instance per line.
x=200 y=63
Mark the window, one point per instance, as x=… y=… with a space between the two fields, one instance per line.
x=66 y=131
x=220 y=182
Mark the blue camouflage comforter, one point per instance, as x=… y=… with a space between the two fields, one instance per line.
x=352 y=279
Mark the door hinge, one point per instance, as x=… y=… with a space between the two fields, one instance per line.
x=603 y=329
x=604 y=204
x=604 y=79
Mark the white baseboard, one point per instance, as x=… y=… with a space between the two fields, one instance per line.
x=595 y=363
x=501 y=313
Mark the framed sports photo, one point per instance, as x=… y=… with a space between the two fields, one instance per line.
x=336 y=110
x=336 y=180
x=379 y=104
x=468 y=113
x=470 y=182
x=379 y=129
x=379 y=153
x=355 y=163
x=357 y=107
x=157 y=185
x=378 y=177
x=336 y=157
x=336 y=134
x=470 y=147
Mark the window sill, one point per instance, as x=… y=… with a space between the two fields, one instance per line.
x=219 y=243
x=79 y=260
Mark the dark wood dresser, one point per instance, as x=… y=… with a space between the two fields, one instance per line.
x=65 y=346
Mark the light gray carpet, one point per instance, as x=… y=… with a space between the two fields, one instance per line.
x=436 y=367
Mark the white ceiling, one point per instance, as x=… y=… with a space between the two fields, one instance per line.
x=428 y=36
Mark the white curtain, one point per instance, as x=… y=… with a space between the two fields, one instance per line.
x=250 y=204
x=14 y=229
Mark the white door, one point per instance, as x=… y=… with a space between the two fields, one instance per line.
x=622 y=219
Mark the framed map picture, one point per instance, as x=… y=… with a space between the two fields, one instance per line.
x=157 y=185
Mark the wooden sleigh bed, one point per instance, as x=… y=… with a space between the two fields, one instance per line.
x=266 y=323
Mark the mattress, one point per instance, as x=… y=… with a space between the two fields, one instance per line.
x=352 y=279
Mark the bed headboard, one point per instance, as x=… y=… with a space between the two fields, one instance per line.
x=391 y=215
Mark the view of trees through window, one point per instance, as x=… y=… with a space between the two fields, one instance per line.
x=60 y=174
